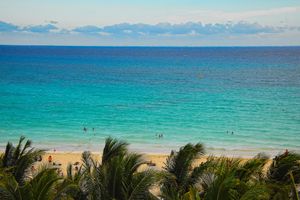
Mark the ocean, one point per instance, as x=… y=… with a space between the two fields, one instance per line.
x=237 y=101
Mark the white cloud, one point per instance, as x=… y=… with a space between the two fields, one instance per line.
x=190 y=33
x=127 y=31
x=182 y=29
x=102 y=33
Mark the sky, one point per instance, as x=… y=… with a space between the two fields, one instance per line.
x=150 y=23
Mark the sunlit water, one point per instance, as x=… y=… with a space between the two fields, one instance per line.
x=237 y=101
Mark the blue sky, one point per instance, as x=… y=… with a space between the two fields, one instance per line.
x=154 y=23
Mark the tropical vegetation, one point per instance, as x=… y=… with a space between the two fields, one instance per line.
x=123 y=175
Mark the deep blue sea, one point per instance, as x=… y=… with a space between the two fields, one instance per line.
x=235 y=100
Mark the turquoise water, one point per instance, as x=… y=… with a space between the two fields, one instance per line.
x=49 y=94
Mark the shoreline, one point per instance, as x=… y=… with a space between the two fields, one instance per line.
x=62 y=159
x=234 y=152
x=218 y=152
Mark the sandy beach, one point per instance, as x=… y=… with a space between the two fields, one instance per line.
x=62 y=159
x=140 y=100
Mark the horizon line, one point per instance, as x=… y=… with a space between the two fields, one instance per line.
x=149 y=46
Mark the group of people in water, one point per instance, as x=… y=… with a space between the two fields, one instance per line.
x=85 y=129
x=159 y=135
x=228 y=132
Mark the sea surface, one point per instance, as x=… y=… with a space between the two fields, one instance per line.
x=235 y=100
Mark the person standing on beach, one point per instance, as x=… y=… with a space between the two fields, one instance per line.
x=50 y=159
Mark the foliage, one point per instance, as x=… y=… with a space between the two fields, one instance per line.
x=45 y=185
x=283 y=176
x=179 y=177
x=119 y=176
x=230 y=178
x=17 y=160
x=282 y=165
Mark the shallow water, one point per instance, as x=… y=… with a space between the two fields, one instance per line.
x=237 y=101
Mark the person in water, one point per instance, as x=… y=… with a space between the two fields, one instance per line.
x=85 y=129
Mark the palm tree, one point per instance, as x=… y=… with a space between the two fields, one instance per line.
x=76 y=179
x=192 y=194
x=117 y=176
x=180 y=178
x=282 y=165
x=17 y=160
x=283 y=176
x=230 y=178
x=45 y=185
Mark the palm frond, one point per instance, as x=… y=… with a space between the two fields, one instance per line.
x=44 y=182
x=112 y=148
x=179 y=167
x=252 y=168
x=17 y=160
x=179 y=163
x=192 y=194
x=7 y=156
x=140 y=185
x=256 y=192
x=282 y=165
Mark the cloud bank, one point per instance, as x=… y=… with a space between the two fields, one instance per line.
x=40 y=28
x=184 y=32
x=7 y=27
x=189 y=28
x=185 y=29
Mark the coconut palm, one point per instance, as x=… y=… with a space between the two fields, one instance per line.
x=75 y=180
x=45 y=185
x=283 y=176
x=180 y=177
x=17 y=160
x=282 y=165
x=117 y=176
x=192 y=194
x=230 y=178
